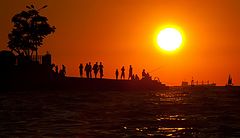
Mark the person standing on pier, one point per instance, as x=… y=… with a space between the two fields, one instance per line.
x=56 y=69
x=81 y=70
x=130 y=72
x=63 y=71
x=90 y=70
x=136 y=77
x=116 y=73
x=144 y=74
x=95 y=69
x=86 y=70
x=101 y=70
x=123 y=72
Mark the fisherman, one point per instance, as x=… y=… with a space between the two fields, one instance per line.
x=144 y=74
x=148 y=77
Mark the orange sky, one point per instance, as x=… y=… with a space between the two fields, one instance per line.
x=121 y=32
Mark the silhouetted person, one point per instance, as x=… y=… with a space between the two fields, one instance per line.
x=86 y=70
x=144 y=74
x=63 y=71
x=81 y=70
x=192 y=82
x=52 y=67
x=101 y=70
x=136 y=77
x=116 y=73
x=90 y=69
x=123 y=72
x=95 y=69
x=130 y=72
x=56 y=69
x=133 y=77
x=148 y=77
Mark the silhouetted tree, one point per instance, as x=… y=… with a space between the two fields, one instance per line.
x=28 y=32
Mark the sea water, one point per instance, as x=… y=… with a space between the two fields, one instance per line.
x=89 y=114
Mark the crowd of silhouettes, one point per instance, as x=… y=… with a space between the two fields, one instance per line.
x=98 y=69
x=89 y=68
x=131 y=75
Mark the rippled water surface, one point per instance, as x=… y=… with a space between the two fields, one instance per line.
x=119 y=114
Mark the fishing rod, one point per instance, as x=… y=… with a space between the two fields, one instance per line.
x=156 y=69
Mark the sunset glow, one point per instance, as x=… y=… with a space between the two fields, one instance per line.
x=122 y=33
x=169 y=39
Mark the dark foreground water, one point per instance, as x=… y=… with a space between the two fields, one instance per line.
x=120 y=114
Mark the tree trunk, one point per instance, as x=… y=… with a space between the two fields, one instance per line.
x=37 y=55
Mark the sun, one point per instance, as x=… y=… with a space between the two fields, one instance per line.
x=169 y=39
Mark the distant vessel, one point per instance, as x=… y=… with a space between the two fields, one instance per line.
x=229 y=83
x=196 y=83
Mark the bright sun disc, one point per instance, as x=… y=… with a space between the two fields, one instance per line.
x=169 y=39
